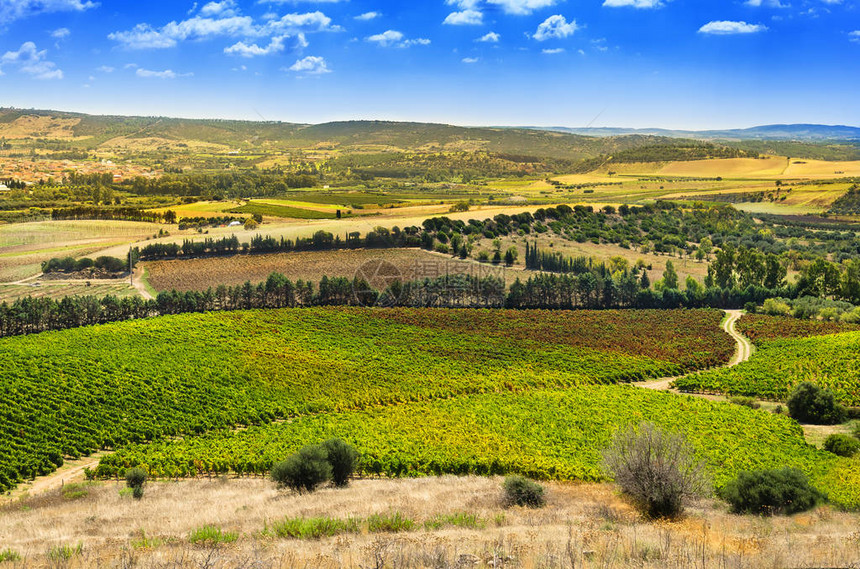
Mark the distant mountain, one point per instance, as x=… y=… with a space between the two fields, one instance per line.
x=90 y=132
x=798 y=132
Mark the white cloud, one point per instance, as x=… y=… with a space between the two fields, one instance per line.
x=855 y=36
x=767 y=4
x=224 y=9
x=311 y=65
x=726 y=28
x=221 y=19
x=490 y=37
x=465 y=18
x=61 y=33
x=470 y=60
x=11 y=10
x=464 y=4
x=553 y=51
x=638 y=4
x=393 y=38
x=28 y=59
x=166 y=74
x=522 y=7
x=367 y=16
x=276 y=45
x=106 y=69
x=555 y=27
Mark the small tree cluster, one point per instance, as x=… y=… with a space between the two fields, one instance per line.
x=810 y=403
x=333 y=460
x=771 y=492
x=135 y=478
x=658 y=470
x=842 y=445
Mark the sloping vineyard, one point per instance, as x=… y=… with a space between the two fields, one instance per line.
x=71 y=392
x=541 y=434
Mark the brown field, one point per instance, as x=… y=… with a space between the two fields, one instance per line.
x=200 y=274
x=582 y=526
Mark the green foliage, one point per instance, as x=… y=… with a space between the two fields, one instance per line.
x=274 y=210
x=810 y=403
x=849 y=203
x=145 y=542
x=458 y=519
x=303 y=471
x=519 y=491
x=389 y=523
x=780 y=365
x=210 y=535
x=105 y=386
x=135 y=477
x=842 y=445
x=343 y=459
x=771 y=492
x=312 y=528
x=63 y=553
x=9 y=555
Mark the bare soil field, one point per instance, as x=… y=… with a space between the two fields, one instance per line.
x=413 y=264
x=583 y=526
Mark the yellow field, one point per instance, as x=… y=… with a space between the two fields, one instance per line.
x=203 y=209
x=821 y=169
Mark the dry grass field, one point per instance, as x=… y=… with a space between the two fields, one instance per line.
x=582 y=526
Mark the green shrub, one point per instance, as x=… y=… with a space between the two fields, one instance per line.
x=304 y=471
x=521 y=491
x=64 y=552
x=771 y=492
x=458 y=519
x=9 y=555
x=655 y=468
x=810 y=403
x=843 y=445
x=378 y=523
x=312 y=528
x=211 y=535
x=135 y=478
x=746 y=402
x=343 y=459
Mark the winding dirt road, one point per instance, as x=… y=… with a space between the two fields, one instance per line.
x=742 y=353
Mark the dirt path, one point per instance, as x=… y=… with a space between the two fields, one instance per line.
x=742 y=353
x=140 y=284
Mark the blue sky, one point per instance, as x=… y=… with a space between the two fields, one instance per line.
x=633 y=63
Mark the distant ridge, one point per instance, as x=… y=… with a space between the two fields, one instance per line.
x=799 y=132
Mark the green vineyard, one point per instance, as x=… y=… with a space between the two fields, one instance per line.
x=781 y=361
x=541 y=434
x=69 y=393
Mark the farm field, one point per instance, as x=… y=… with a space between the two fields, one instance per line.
x=785 y=356
x=540 y=434
x=413 y=264
x=69 y=393
x=48 y=289
x=24 y=246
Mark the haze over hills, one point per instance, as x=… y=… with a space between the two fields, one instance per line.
x=804 y=132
